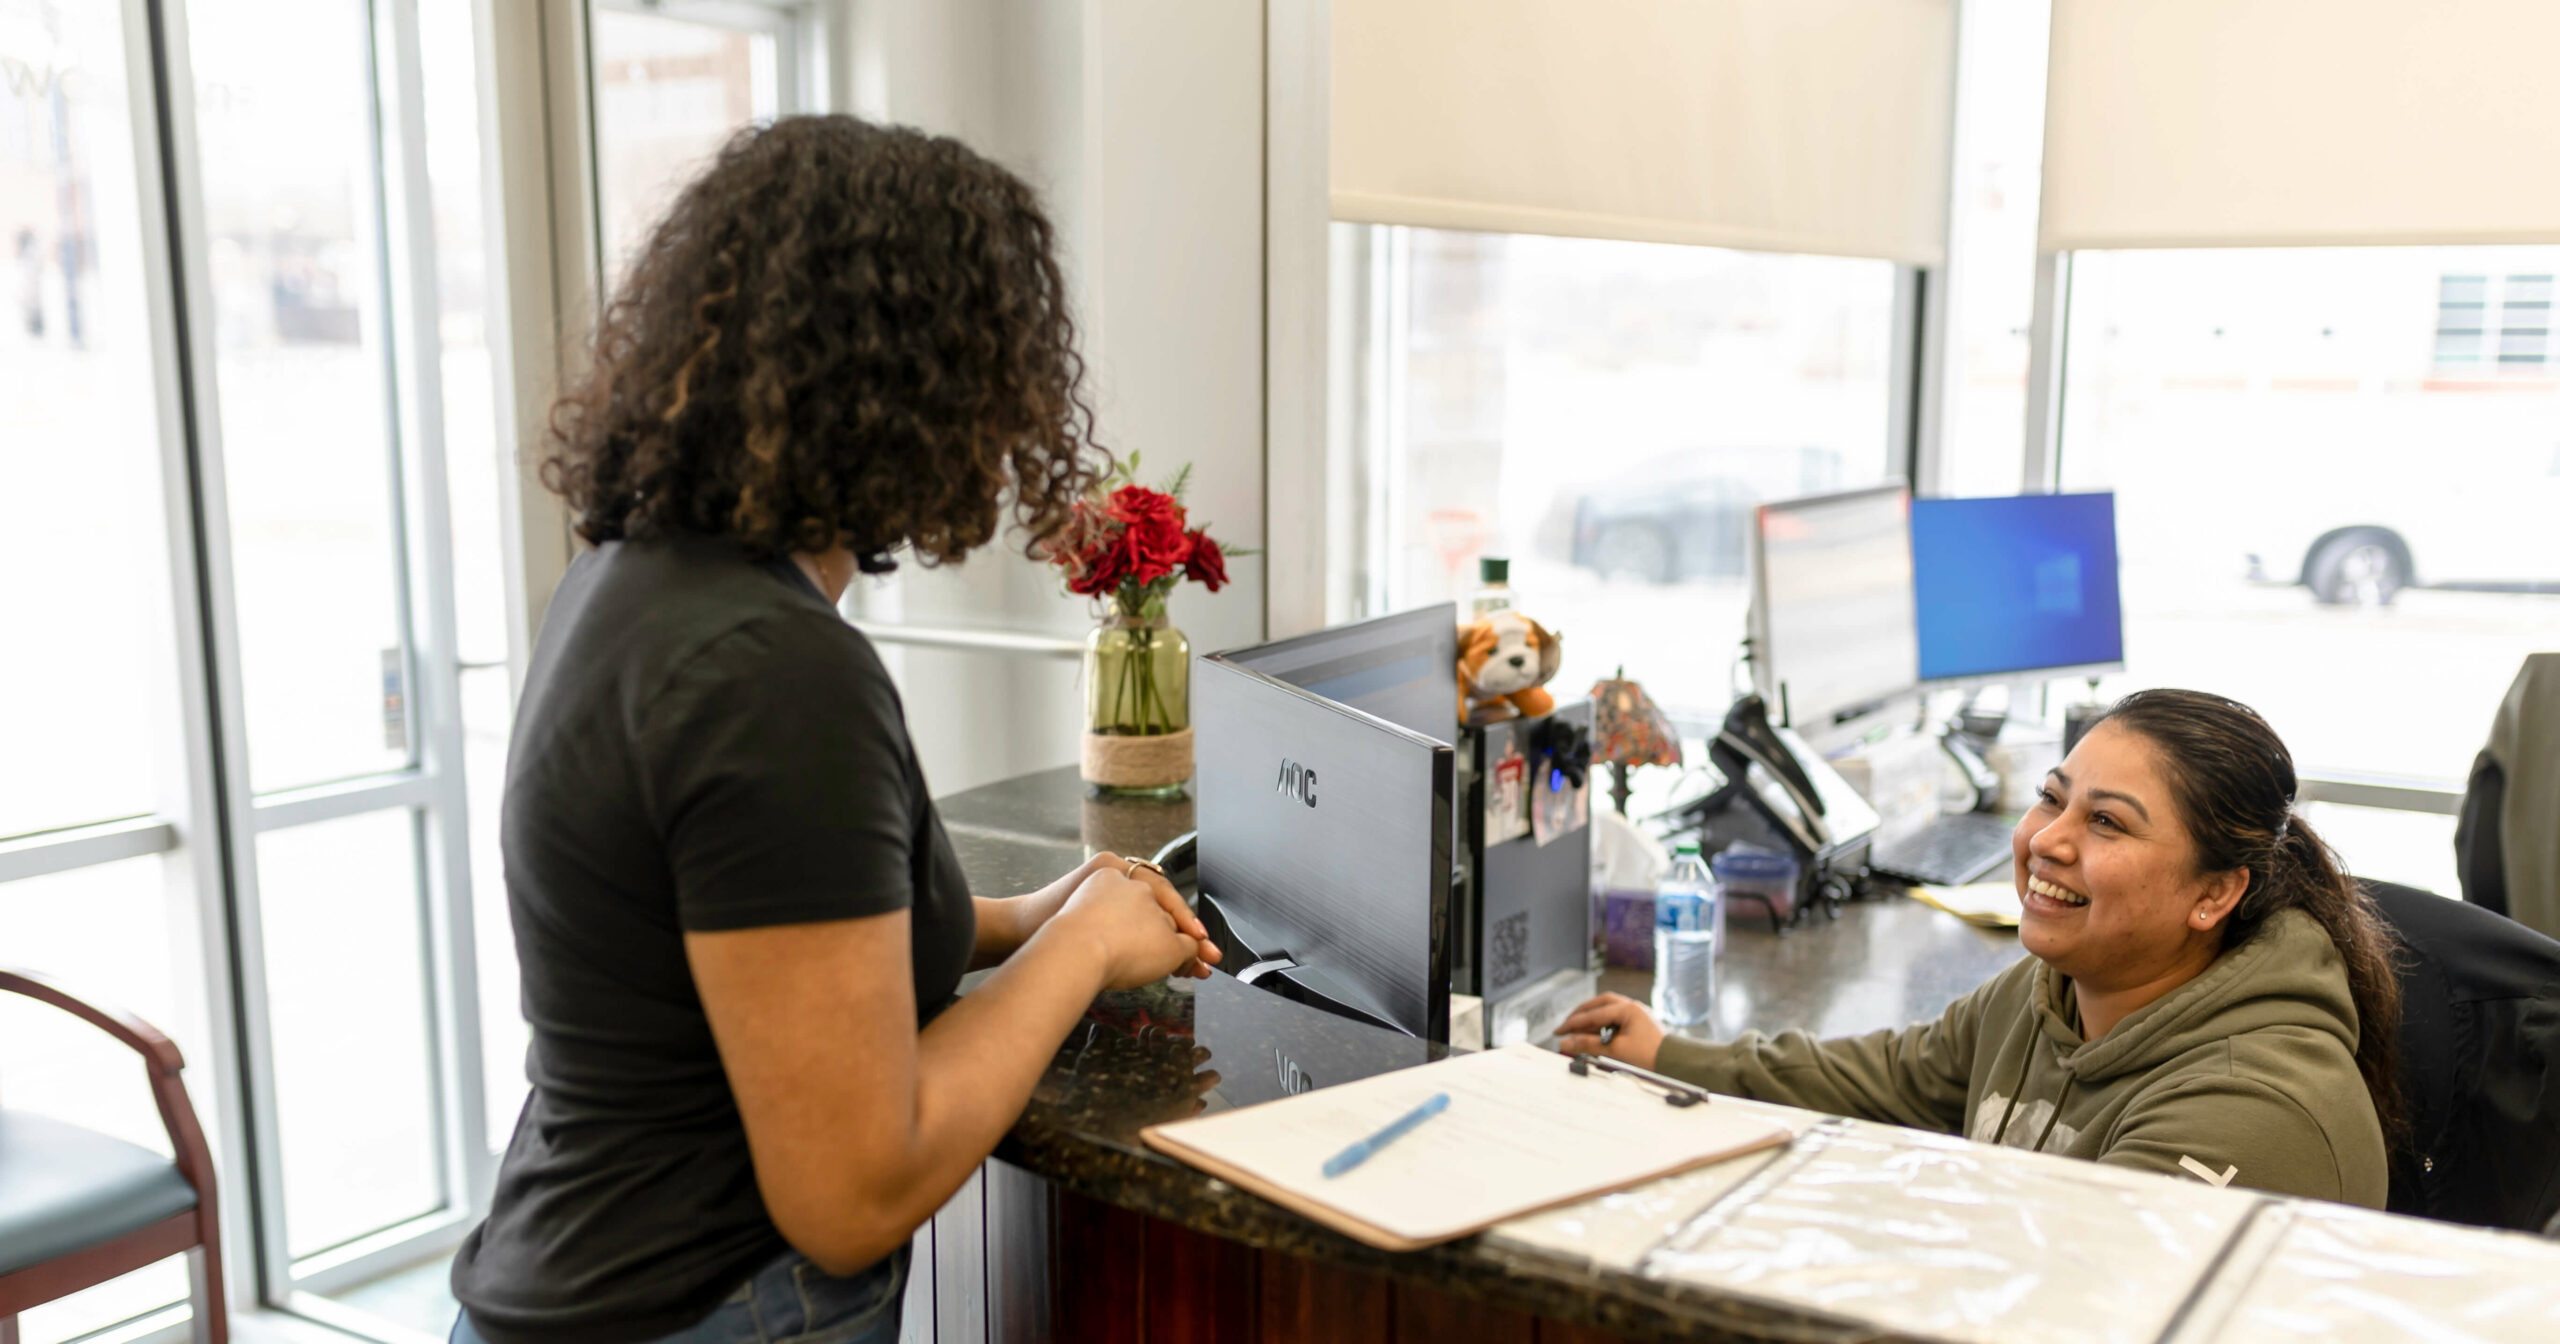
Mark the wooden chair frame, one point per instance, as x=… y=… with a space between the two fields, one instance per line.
x=196 y=1231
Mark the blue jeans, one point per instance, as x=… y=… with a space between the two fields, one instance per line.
x=789 y=1301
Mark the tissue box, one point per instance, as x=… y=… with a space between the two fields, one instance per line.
x=1627 y=928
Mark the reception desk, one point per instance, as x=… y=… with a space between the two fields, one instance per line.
x=1077 y=1231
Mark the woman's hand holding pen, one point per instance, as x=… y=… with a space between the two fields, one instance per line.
x=1612 y=1025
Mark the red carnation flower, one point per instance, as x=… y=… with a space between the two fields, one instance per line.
x=1098 y=571
x=1207 y=565
x=1154 y=549
x=1137 y=506
x=1132 y=545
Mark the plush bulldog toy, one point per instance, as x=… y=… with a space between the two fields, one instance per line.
x=1504 y=663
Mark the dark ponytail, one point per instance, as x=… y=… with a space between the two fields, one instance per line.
x=2234 y=783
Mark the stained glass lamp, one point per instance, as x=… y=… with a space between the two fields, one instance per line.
x=1628 y=730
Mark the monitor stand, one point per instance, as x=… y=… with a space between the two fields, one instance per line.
x=1262 y=962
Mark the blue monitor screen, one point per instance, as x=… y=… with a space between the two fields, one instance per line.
x=2018 y=584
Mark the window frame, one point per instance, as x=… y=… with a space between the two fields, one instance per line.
x=400 y=236
x=535 y=99
x=206 y=819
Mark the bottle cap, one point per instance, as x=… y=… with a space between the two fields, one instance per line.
x=1493 y=569
x=1684 y=847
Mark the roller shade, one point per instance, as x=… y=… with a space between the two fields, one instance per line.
x=1779 y=125
x=2275 y=123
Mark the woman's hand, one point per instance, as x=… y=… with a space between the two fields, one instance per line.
x=1034 y=910
x=1636 y=1040
x=1138 y=925
x=1004 y=925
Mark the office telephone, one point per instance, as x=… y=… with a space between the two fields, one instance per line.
x=1775 y=791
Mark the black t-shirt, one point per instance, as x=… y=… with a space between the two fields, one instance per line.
x=703 y=744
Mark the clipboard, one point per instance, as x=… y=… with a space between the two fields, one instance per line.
x=1522 y=1132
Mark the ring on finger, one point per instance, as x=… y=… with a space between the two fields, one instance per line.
x=1149 y=864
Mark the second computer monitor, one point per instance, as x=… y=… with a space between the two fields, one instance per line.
x=2016 y=585
x=1402 y=667
x=1831 y=605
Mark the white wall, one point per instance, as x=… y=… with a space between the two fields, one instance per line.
x=1141 y=123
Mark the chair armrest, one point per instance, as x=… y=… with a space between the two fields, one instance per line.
x=157 y=1049
x=160 y=1059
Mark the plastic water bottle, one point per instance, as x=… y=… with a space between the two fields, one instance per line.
x=1684 y=942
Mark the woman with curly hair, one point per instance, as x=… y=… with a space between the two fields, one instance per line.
x=739 y=921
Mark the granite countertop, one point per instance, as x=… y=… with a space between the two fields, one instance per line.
x=1170 y=1051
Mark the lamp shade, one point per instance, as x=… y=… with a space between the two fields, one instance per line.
x=1627 y=728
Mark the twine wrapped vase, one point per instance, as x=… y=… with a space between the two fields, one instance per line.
x=1127 y=547
x=1137 y=675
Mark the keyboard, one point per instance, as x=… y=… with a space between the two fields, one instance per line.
x=1949 y=852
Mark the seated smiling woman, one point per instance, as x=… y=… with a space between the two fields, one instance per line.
x=2210 y=995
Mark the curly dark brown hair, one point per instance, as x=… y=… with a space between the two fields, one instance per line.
x=839 y=333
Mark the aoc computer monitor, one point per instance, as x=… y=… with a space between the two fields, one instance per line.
x=1402 y=668
x=2016 y=586
x=1324 y=837
x=1831 y=622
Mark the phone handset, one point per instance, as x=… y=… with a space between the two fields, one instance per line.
x=1748 y=740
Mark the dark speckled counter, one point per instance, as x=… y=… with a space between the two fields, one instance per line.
x=1168 y=1052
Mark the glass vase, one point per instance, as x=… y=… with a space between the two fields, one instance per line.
x=1137 y=676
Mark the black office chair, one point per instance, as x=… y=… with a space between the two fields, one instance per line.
x=2480 y=1062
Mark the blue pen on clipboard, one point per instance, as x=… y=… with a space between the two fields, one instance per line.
x=1360 y=1152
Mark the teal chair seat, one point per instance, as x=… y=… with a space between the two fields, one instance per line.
x=78 y=1208
x=64 y=1188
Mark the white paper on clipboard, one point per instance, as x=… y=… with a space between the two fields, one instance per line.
x=1522 y=1132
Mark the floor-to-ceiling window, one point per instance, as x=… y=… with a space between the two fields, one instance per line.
x=328 y=632
x=666 y=84
x=109 y=876
x=242 y=408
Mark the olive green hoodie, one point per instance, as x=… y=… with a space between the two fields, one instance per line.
x=2244 y=1075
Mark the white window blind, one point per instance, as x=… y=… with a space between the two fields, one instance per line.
x=2301 y=123
x=1778 y=125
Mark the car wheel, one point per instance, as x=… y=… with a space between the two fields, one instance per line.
x=1639 y=549
x=2365 y=567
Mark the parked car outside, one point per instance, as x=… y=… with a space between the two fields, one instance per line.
x=2353 y=541
x=1684 y=515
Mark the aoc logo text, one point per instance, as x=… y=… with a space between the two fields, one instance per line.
x=1298 y=782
